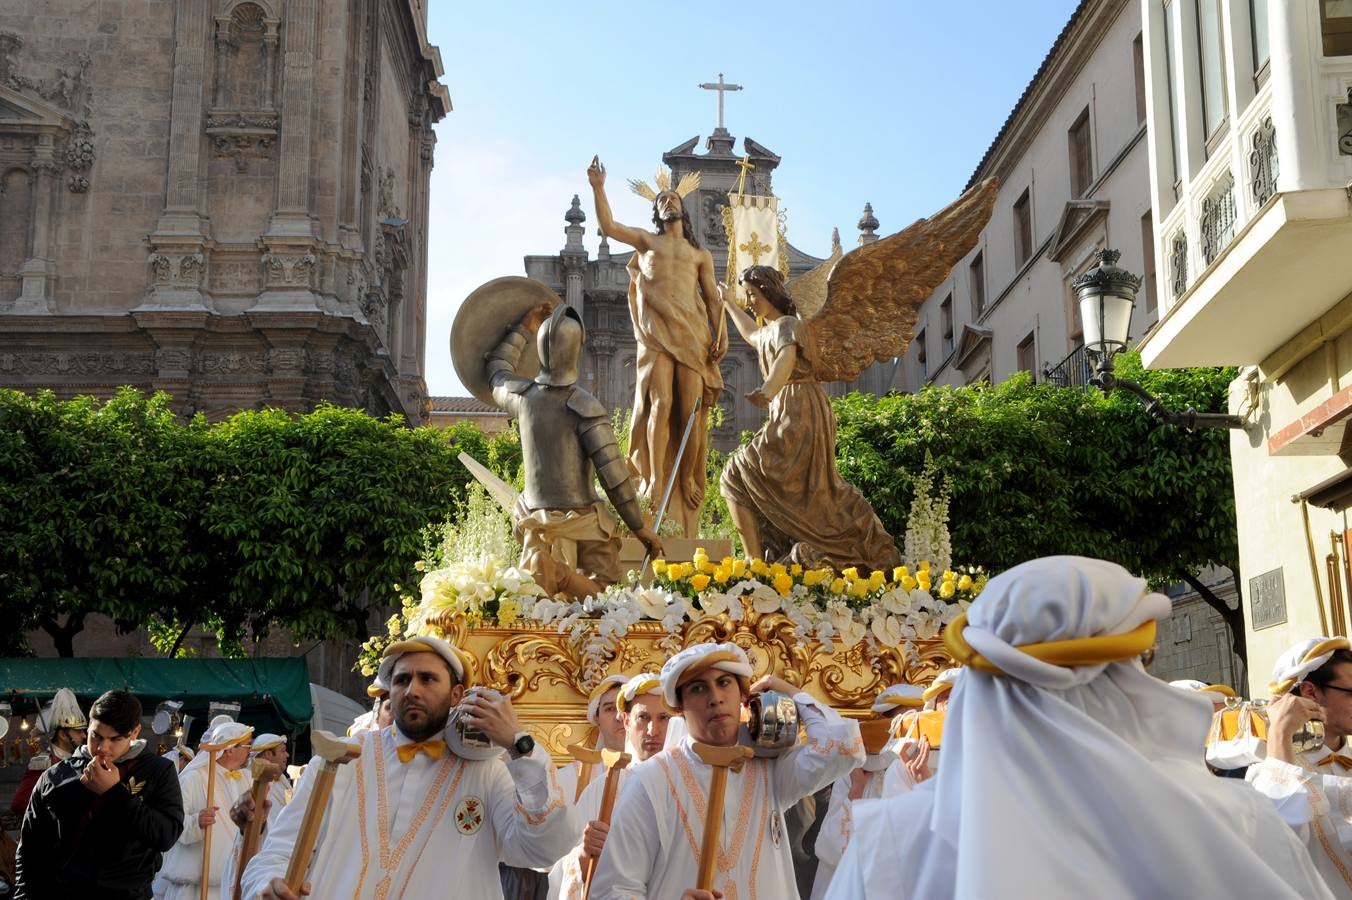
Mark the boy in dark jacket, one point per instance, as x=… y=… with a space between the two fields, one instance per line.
x=98 y=822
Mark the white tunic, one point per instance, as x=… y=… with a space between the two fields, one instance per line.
x=277 y=791
x=834 y=835
x=893 y=854
x=180 y=877
x=419 y=828
x=565 y=879
x=1315 y=798
x=653 y=849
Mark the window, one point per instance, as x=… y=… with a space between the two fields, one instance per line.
x=1175 y=135
x=1081 y=156
x=1027 y=354
x=946 y=317
x=1258 y=27
x=1148 y=254
x=1335 y=22
x=1212 y=65
x=1023 y=230
x=978 y=273
x=921 y=356
x=1138 y=71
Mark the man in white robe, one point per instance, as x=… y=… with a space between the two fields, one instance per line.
x=605 y=717
x=864 y=783
x=181 y=875
x=270 y=748
x=1313 y=791
x=652 y=850
x=916 y=758
x=1068 y=771
x=645 y=716
x=411 y=818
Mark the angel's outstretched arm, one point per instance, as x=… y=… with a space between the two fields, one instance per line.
x=746 y=326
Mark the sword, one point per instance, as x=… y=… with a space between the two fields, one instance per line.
x=671 y=482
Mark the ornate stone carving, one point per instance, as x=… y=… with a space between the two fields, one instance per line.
x=712 y=209
x=233 y=363
x=318 y=363
x=173 y=359
x=177 y=268
x=190 y=268
x=79 y=157
x=286 y=270
x=243 y=147
x=67 y=84
x=161 y=270
x=286 y=360
x=385 y=204
x=70 y=363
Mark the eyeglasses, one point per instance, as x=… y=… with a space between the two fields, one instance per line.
x=1336 y=688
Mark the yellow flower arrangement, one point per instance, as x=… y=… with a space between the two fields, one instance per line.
x=699 y=582
x=783 y=583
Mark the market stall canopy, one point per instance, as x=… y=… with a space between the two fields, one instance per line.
x=269 y=691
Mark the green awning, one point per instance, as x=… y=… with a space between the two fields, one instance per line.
x=274 y=694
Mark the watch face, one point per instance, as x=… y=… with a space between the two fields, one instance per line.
x=524 y=744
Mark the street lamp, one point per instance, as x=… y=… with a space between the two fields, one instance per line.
x=1107 y=295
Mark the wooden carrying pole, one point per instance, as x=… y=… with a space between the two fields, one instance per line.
x=264 y=773
x=722 y=759
x=335 y=752
x=212 y=750
x=614 y=761
x=586 y=757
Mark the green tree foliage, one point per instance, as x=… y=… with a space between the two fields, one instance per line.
x=1039 y=470
x=268 y=519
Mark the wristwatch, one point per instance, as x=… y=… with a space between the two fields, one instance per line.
x=524 y=745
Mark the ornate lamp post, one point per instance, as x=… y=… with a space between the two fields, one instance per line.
x=1107 y=295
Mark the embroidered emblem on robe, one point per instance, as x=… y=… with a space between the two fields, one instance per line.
x=469 y=815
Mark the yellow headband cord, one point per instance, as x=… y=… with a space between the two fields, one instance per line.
x=1086 y=651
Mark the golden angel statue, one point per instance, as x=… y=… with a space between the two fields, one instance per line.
x=784 y=494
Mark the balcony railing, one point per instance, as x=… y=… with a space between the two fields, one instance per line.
x=1072 y=372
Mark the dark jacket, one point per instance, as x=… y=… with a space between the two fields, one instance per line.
x=75 y=843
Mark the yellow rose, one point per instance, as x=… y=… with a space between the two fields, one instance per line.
x=924 y=565
x=727 y=562
x=778 y=569
x=674 y=571
x=923 y=582
x=908 y=583
x=783 y=583
x=738 y=568
x=701 y=553
x=900 y=572
x=965 y=583
x=851 y=573
x=758 y=567
x=946 y=590
x=814 y=577
x=876 y=580
x=838 y=586
x=704 y=565
x=859 y=588
x=699 y=582
x=659 y=566
x=949 y=575
x=795 y=569
x=722 y=574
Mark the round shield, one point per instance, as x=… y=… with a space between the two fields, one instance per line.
x=4 y=726
x=162 y=722
x=484 y=319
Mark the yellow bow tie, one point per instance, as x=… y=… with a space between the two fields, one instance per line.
x=433 y=749
x=1344 y=761
x=236 y=774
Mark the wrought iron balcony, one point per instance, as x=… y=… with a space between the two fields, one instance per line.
x=1073 y=371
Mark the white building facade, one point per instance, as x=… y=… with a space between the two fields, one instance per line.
x=1250 y=110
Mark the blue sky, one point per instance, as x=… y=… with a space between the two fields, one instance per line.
x=892 y=103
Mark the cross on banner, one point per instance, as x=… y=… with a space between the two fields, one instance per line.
x=722 y=87
x=755 y=248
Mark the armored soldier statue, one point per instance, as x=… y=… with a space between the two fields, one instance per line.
x=568 y=536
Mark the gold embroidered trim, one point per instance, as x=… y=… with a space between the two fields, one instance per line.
x=537 y=819
x=727 y=856
x=834 y=745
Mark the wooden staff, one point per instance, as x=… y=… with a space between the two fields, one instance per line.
x=614 y=761
x=212 y=750
x=335 y=752
x=586 y=758
x=264 y=773
x=722 y=759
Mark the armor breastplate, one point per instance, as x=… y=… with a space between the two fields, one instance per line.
x=559 y=473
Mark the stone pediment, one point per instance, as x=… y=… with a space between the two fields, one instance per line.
x=1078 y=217
x=23 y=113
x=970 y=345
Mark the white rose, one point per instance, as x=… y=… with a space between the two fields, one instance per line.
x=851 y=634
x=651 y=603
x=887 y=629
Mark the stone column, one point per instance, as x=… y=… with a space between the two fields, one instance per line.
x=38 y=272
x=183 y=188
x=292 y=214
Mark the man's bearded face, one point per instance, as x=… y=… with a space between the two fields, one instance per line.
x=669 y=207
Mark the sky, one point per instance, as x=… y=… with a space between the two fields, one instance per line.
x=891 y=102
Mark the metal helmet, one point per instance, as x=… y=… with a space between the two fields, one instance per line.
x=559 y=343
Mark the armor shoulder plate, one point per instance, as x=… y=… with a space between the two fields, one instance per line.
x=587 y=406
x=518 y=385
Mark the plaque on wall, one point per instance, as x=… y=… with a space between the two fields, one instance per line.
x=1267 y=600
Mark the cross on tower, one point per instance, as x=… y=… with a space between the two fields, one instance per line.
x=722 y=87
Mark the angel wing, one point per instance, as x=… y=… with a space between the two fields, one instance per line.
x=809 y=289
x=874 y=293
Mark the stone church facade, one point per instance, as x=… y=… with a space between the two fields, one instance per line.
x=222 y=199
x=598 y=286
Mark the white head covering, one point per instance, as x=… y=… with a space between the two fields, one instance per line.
x=643 y=683
x=594 y=701
x=364 y=722
x=899 y=696
x=421 y=644
x=266 y=741
x=223 y=731
x=63 y=712
x=942 y=684
x=1041 y=758
x=377 y=688
x=1296 y=664
x=685 y=665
